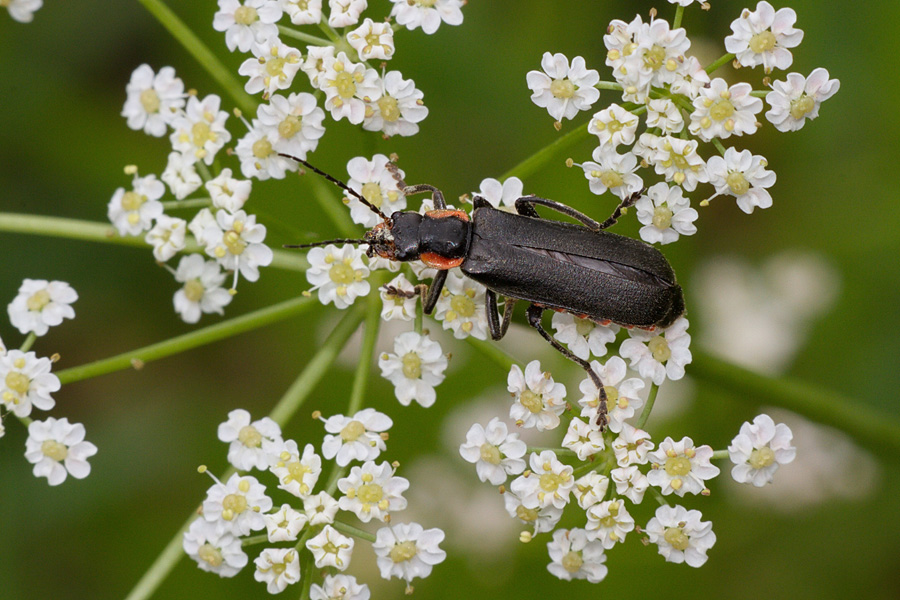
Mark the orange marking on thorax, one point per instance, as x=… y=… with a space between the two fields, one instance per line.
x=436 y=261
x=447 y=212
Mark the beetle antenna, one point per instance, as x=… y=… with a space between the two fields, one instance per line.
x=338 y=183
x=325 y=243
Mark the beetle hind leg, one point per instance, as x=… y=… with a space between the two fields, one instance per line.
x=535 y=313
x=497 y=326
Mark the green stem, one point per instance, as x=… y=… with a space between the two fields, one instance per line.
x=651 y=399
x=28 y=343
x=202 y=54
x=192 y=203
x=874 y=430
x=719 y=146
x=679 y=13
x=367 y=350
x=162 y=566
x=720 y=455
x=137 y=358
x=557 y=451
x=302 y=36
x=544 y=155
x=722 y=61
x=354 y=531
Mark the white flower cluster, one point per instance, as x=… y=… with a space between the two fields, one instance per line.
x=685 y=111
x=370 y=491
x=55 y=447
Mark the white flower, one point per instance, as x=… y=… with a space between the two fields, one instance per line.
x=246 y=22
x=584 y=439
x=355 y=438
x=427 y=14
x=543 y=519
x=681 y=535
x=202 y=222
x=41 y=304
x=297 y=473
x=237 y=505
x=202 y=291
x=632 y=446
x=658 y=356
x=690 y=78
x=181 y=176
x=622 y=398
x=303 y=12
x=665 y=214
x=372 y=491
x=348 y=86
x=374 y=182
x=415 y=367
x=215 y=551
x=23 y=10
x=665 y=115
x=166 y=237
x=259 y=155
x=199 y=133
x=344 y=13
x=612 y=171
x=494 y=451
x=630 y=482
x=57 y=448
x=399 y=108
x=759 y=449
x=339 y=587
x=250 y=444
x=678 y=160
x=320 y=509
x=372 y=41
x=643 y=55
x=285 y=524
x=501 y=195
x=461 y=307
x=278 y=568
x=583 y=336
x=273 y=67
x=613 y=126
x=154 y=99
x=798 y=99
x=318 y=59
x=574 y=556
x=132 y=212
x=331 y=549
x=339 y=274
x=762 y=37
x=539 y=400
x=744 y=176
x=236 y=242
x=680 y=467
x=400 y=306
x=298 y=121
x=608 y=522
x=227 y=192
x=563 y=89
x=26 y=381
x=590 y=489
x=407 y=551
x=722 y=111
x=549 y=483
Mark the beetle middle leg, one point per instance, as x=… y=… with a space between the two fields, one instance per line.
x=525 y=206
x=534 y=314
x=495 y=325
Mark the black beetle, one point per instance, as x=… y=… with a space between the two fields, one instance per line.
x=580 y=269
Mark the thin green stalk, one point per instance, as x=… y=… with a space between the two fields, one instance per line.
x=302 y=36
x=181 y=343
x=679 y=13
x=202 y=54
x=719 y=146
x=645 y=414
x=28 y=343
x=720 y=455
x=354 y=531
x=727 y=58
x=182 y=204
x=367 y=350
x=545 y=154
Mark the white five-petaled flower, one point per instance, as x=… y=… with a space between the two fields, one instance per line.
x=665 y=213
x=237 y=505
x=285 y=524
x=677 y=160
x=584 y=439
x=575 y=556
x=250 y=443
x=643 y=55
x=331 y=549
x=199 y=133
x=181 y=176
x=246 y=22
x=339 y=587
x=320 y=509
x=372 y=491
x=297 y=473
x=26 y=382
x=154 y=99
x=259 y=155
x=721 y=111
x=167 y=237
x=355 y=438
x=690 y=78
x=348 y=86
x=630 y=482
x=372 y=41
x=23 y=10
x=590 y=489
x=501 y=195
x=407 y=551
x=612 y=171
x=608 y=522
x=759 y=449
x=613 y=126
x=461 y=307
x=543 y=519
x=400 y=306
x=622 y=399
x=344 y=13
x=303 y=12
x=227 y=192
x=664 y=114
x=216 y=551
x=202 y=291
x=378 y=185
x=57 y=448
x=561 y=88
x=296 y=119
x=659 y=356
x=762 y=37
x=339 y=274
x=318 y=59
x=236 y=242
x=133 y=212
x=681 y=535
x=415 y=367
x=744 y=176
x=680 y=467
x=632 y=446
x=549 y=483
x=398 y=108
x=538 y=399
x=798 y=98
x=277 y=568
x=494 y=451
x=41 y=304
x=583 y=336
x=273 y=67
x=427 y=14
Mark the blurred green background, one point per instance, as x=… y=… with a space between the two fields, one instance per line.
x=62 y=149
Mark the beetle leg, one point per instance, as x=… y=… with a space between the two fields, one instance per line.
x=626 y=203
x=434 y=292
x=437 y=196
x=395 y=173
x=495 y=325
x=525 y=206
x=534 y=319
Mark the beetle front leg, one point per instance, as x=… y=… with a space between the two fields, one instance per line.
x=495 y=325
x=437 y=196
x=434 y=292
x=535 y=313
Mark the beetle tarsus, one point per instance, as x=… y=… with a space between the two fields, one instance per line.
x=625 y=203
